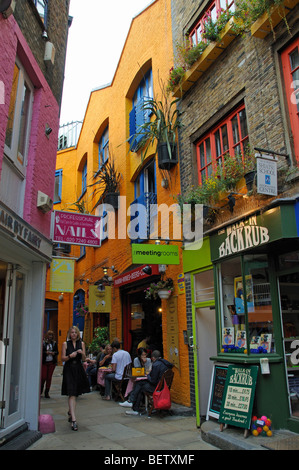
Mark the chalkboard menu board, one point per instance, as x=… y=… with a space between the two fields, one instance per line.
x=238 y=396
x=216 y=390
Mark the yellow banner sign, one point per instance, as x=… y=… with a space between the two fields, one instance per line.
x=62 y=275
x=99 y=301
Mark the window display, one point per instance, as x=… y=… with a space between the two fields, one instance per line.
x=246 y=308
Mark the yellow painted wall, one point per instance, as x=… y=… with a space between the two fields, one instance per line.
x=148 y=44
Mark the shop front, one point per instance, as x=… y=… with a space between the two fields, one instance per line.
x=24 y=255
x=256 y=286
x=142 y=318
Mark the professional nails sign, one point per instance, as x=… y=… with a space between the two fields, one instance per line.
x=255 y=231
x=76 y=229
x=155 y=254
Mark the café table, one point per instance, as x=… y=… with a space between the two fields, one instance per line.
x=131 y=383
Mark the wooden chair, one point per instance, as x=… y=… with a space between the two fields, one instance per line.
x=149 y=403
x=118 y=385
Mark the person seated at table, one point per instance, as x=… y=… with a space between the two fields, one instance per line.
x=120 y=360
x=158 y=368
x=106 y=356
x=92 y=369
x=140 y=361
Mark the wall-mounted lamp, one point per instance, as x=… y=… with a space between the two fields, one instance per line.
x=101 y=288
x=105 y=270
x=231 y=202
x=60 y=298
x=147 y=270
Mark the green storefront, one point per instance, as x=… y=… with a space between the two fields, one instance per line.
x=255 y=307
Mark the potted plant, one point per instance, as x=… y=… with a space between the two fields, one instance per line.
x=101 y=336
x=108 y=183
x=249 y=163
x=162 y=289
x=81 y=310
x=161 y=130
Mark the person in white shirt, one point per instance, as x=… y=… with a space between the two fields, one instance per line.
x=120 y=360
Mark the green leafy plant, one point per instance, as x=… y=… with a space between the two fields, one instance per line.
x=163 y=125
x=248 y=11
x=152 y=291
x=81 y=310
x=175 y=77
x=101 y=337
x=108 y=180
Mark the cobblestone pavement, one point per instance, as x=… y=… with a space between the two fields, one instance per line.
x=104 y=425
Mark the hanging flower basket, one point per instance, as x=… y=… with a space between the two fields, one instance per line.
x=81 y=310
x=156 y=289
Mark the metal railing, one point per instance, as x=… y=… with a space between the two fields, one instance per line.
x=69 y=134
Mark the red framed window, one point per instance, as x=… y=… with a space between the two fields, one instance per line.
x=290 y=67
x=230 y=136
x=213 y=11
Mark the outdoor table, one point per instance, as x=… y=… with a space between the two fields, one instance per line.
x=102 y=371
x=131 y=382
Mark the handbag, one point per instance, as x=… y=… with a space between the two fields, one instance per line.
x=161 y=398
x=137 y=371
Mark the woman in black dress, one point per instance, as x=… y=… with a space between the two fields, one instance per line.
x=75 y=381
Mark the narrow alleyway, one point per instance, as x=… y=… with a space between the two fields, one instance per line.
x=105 y=426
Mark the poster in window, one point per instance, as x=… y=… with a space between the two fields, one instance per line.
x=239 y=294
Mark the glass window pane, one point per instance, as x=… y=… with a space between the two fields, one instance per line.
x=243 y=123
x=202 y=155
x=259 y=303
x=204 y=286
x=235 y=129
x=24 y=122
x=12 y=105
x=217 y=143
x=208 y=150
x=224 y=138
x=294 y=59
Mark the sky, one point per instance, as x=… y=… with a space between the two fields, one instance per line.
x=96 y=39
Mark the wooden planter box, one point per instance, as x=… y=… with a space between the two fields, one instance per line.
x=262 y=26
x=209 y=55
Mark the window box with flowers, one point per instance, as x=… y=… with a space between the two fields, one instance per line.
x=217 y=38
x=162 y=289
x=273 y=13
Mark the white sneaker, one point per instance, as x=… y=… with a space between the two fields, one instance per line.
x=132 y=412
x=127 y=404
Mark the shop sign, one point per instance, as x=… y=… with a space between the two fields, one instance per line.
x=62 y=275
x=255 y=231
x=216 y=390
x=99 y=301
x=155 y=254
x=266 y=168
x=23 y=233
x=134 y=275
x=181 y=283
x=72 y=228
x=238 y=396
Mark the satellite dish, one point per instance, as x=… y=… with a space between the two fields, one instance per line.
x=4 y=5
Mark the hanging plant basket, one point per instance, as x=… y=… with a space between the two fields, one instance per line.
x=112 y=199
x=164 y=294
x=164 y=160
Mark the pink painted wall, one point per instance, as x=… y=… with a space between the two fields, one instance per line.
x=40 y=174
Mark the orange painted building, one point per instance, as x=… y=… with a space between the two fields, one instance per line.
x=143 y=66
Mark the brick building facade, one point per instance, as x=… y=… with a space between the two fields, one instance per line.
x=249 y=77
x=31 y=83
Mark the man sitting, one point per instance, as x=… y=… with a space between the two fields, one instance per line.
x=149 y=385
x=120 y=360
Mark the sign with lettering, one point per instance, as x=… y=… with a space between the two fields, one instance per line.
x=266 y=170
x=216 y=390
x=24 y=233
x=99 y=301
x=62 y=275
x=254 y=231
x=134 y=275
x=238 y=396
x=155 y=254
x=73 y=228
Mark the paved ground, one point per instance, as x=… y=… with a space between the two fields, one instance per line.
x=104 y=425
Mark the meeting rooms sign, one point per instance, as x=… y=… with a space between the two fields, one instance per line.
x=155 y=254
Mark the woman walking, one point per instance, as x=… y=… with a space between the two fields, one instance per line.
x=49 y=361
x=75 y=381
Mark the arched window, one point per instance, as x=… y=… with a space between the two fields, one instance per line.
x=104 y=147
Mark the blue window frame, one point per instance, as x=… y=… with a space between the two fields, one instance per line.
x=42 y=8
x=138 y=115
x=104 y=147
x=58 y=186
x=84 y=178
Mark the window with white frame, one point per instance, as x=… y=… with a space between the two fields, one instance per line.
x=19 y=118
